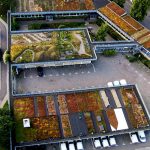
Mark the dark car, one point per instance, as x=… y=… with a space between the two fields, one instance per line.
x=40 y=71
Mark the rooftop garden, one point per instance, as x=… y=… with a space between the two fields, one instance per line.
x=57 y=5
x=65 y=115
x=133 y=22
x=50 y=46
x=116 y=19
x=116 y=8
x=133 y=108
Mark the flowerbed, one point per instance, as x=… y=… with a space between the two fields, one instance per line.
x=81 y=101
x=112 y=118
x=72 y=103
x=133 y=22
x=139 y=115
x=50 y=105
x=23 y=108
x=67 y=132
x=93 y=101
x=62 y=104
x=41 y=129
x=147 y=44
x=116 y=8
x=128 y=97
x=117 y=20
x=41 y=106
x=89 y=122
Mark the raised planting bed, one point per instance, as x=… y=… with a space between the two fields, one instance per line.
x=50 y=46
x=41 y=129
x=58 y=5
x=50 y=105
x=100 y=121
x=112 y=118
x=147 y=44
x=81 y=101
x=117 y=20
x=23 y=108
x=72 y=103
x=62 y=104
x=128 y=97
x=67 y=132
x=116 y=8
x=41 y=106
x=89 y=122
x=139 y=115
x=140 y=33
x=133 y=22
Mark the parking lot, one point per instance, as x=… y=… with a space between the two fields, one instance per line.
x=86 y=76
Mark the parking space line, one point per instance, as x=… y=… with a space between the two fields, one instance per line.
x=76 y=72
x=50 y=75
x=70 y=74
x=144 y=79
x=31 y=76
x=63 y=74
x=136 y=71
x=82 y=72
x=88 y=72
x=57 y=75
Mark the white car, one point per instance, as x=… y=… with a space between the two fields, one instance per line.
x=110 y=84
x=79 y=145
x=123 y=82
x=141 y=136
x=134 y=138
x=97 y=143
x=63 y=146
x=105 y=142
x=112 y=141
x=71 y=146
x=116 y=83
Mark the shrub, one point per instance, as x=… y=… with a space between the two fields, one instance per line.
x=109 y=52
x=6 y=56
x=131 y=58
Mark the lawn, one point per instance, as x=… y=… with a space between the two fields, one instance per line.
x=50 y=46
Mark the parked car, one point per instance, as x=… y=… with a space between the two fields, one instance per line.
x=112 y=141
x=134 y=138
x=110 y=84
x=63 y=146
x=105 y=142
x=123 y=82
x=97 y=143
x=71 y=146
x=80 y=145
x=116 y=83
x=40 y=71
x=142 y=136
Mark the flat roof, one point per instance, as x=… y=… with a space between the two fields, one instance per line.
x=53 y=5
x=80 y=113
x=53 y=45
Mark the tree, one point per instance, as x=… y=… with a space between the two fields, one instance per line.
x=5 y=5
x=102 y=32
x=139 y=9
x=6 y=124
x=6 y=56
x=119 y=2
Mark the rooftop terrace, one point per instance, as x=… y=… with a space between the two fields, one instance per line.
x=50 y=46
x=79 y=113
x=53 y=5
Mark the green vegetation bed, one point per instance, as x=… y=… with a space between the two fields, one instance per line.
x=49 y=46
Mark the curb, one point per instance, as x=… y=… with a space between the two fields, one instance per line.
x=5 y=99
x=4 y=23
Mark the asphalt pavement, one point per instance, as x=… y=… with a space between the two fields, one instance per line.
x=3 y=68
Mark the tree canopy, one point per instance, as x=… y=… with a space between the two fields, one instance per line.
x=6 y=124
x=139 y=9
x=119 y=2
x=102 y=32
x=5 y=5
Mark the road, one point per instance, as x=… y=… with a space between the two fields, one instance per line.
x=3 y=69
x=146 y=21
